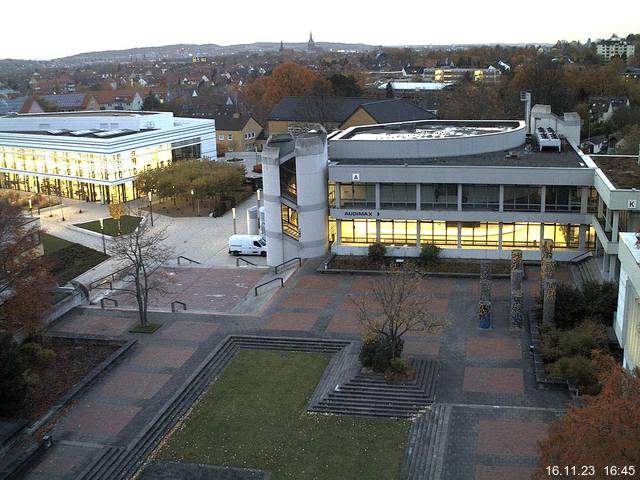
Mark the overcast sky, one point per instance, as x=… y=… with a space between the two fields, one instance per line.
x=45 y=29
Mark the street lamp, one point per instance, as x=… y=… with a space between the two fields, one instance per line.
x=193 y=206
x=233 y=213
x=258 y=192
x=104 y=246
x=150 y=208
x=30 y=208
x=61 y=208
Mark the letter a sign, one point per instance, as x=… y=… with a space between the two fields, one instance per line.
x=355 y=177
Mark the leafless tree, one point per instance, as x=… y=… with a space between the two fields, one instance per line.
x=395 y=304
x=141 y=253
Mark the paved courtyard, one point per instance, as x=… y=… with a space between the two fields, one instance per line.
x=498 y=413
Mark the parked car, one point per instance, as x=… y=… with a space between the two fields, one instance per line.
x=247 y=245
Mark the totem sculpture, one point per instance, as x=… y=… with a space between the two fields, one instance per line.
x=517 y=275
x=484 y=305
x=548 y=285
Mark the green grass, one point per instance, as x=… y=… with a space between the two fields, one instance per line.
x=128 y=224
x=148 y=328
x=254 y=417
x=68 y=260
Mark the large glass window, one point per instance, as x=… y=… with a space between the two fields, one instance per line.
x=357 y=195
x=439 y=233
x=288 y=187
x=481 y=197
x=398 y=232
x=398 y=195
x=290 y=221
x=358 y=231
x=479 y=234
x=521 y=235
x=562 y=199
x=521 y=198
x=331 y=194
x=563 y=235
x=439 y=196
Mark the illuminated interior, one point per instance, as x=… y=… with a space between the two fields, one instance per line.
x=84 y=176
x=472 y=234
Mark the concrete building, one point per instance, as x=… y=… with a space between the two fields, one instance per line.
x=627 y=319
x=96 y=155
x=477 y=189
x=615 y=47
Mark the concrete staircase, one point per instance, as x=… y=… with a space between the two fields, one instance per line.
x=369 y=394
x=587 y=270
x=424 y=456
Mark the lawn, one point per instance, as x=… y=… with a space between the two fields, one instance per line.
x=128 y=224
x=254 y=417
x=68 y=260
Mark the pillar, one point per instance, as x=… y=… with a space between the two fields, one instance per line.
x=584 y=200
x=501 y=204
x=582 y=237
x=517 y=275
x=272 y=201
x=543 y=198
x=549 y=301
x=459 y=199
x=377 y=196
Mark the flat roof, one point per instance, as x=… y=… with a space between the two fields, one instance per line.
x=428 y=129
x=520 y=157
x=89 y=133
x=622 y=171
x=86 y=113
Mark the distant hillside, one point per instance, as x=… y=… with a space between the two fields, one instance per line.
x=184 y=50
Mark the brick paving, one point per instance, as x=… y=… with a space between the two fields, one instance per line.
x=497 y=410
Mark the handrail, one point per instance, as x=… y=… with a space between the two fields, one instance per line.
x=267 y=283
x=173 y=305
x=240 y=259
x=577 y=258
x=275 y=269
x=107 y=278
x=188 y=259
x=102 y=300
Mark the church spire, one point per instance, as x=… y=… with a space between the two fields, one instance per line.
x=311 y=45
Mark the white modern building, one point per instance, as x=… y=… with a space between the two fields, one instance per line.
x=627 y=321
x=615 y=47
x=96 y=155
x=477 y=189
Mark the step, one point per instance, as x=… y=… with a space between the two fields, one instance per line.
x=374 y=401
x=369 y=412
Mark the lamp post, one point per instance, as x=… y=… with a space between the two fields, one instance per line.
x=193 y=206
x=61 y=208
x=150 y=208
x=104 y=246
x=233 y=213
x=30 y=208
x=258 y=212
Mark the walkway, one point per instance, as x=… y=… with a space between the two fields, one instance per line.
x=497 y=414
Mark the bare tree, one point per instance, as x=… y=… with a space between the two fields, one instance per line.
x=142 y=252
x=396 y=304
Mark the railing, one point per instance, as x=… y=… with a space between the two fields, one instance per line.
x=109 y=279
x=267 y=283
x=176 y=302
x=102 y=300
x=581 y=257
x=298 y=259
x=187 y=259
x=238 y=260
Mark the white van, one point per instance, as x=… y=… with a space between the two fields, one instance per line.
x=247 y=245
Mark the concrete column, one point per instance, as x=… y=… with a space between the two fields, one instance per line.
x=418 y=233
x=337 y=194
x=272 y=201
x=600 y=206
x=459 y=235
x=584 y=200
x=613 y=268
x=500 y=236
x=607 y=223
x=614 y=225
x=459 y=202
x=582 y=237
x=549 y=301
x=377 y=196
x=418 y=197
x=378 y=231
x=543 y=198
x=338 y=230
x=605 y=263
x=501 y=205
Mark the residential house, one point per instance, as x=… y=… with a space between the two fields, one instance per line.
x=602 y=108
x=300 y=114
x=69 y=102
x=118 y=99
x=19 y=105
x=238 y=133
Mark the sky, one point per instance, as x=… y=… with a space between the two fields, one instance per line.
x=45 y=29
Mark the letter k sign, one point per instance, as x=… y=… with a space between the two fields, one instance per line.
x=632 y=204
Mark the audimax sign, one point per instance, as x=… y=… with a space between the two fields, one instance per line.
x=361 y=213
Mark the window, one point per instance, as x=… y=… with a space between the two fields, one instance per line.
x=563 y=199
x=479 y=234
x=256 y=244
x=289 y=221
x=288 y=186
x=398 y=232
x=331 y=194
x=357 y=195
x=438 y=232
x=230 y=136
x=521 y=235
x=439 y=196
x=481 y=197
x=358 y=231
x=521 y=198
x=221 y=137
x=398 y=195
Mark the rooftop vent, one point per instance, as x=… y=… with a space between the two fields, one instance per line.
x=548 y=138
